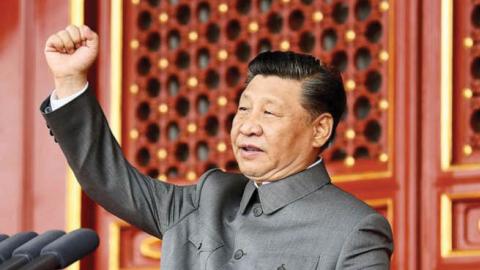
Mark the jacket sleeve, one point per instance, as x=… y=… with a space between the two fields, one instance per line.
x=81 y=130
x=368 y=246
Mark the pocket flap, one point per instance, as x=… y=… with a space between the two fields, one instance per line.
x=204 y=243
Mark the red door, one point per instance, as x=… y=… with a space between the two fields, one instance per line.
x=408 y=145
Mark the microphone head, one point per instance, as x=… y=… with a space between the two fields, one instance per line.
x=3 y=237
x=72 y=246
x=32 y=248
x=8 y=245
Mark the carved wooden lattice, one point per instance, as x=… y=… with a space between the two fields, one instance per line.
x=185 y=66
x=466 y=82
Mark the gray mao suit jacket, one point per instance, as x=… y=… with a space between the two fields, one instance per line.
x=224 y=221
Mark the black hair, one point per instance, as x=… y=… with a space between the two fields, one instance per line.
x=322 y=85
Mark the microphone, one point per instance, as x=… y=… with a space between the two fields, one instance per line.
x=3 y=237
x=30 y=250
x=65 y=250
x=8 y=245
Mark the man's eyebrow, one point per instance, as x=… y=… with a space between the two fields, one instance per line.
x=269 y=100
x=274 y=101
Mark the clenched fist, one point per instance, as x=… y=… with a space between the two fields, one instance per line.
x=69 y=54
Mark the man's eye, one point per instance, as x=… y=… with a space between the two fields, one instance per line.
x=268 y=112
x=242 y=108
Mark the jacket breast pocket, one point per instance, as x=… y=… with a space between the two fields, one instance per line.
x=205 y=246
x=285 y=262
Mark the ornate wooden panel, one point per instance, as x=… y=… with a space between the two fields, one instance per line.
x=451 y=185
x=466 y=83
x=461 y=224
x=459 y=210
x=184 y=64
x=180 y=67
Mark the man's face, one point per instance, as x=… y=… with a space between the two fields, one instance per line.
x=272 y=134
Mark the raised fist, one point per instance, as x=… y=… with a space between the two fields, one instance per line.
x=69 y=54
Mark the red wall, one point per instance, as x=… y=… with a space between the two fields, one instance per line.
x=32 y=169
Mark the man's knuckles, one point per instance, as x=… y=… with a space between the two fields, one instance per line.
x=56 y=43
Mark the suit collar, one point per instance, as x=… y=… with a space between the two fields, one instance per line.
x=282 y=192
x=247 y=195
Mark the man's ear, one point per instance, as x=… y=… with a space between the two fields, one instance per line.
x=322 y=128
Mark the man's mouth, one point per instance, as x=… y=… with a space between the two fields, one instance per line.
x=250 y=148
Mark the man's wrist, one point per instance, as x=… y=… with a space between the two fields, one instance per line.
x=69 y=85
x=56 y=103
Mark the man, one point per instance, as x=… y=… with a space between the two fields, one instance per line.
x=282 y=212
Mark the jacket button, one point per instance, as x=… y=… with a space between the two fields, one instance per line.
x=238 y=254
x=48 y=109
x=257 y=211
x=51 y=132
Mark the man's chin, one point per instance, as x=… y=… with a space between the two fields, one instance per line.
x=252 y=173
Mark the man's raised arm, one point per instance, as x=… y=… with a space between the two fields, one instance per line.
x=95 y=157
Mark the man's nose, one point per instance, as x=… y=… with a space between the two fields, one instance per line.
x=251 y=126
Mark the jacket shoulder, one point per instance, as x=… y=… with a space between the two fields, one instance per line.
x=337 y=209
x=216 y=182
x=347 y=203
